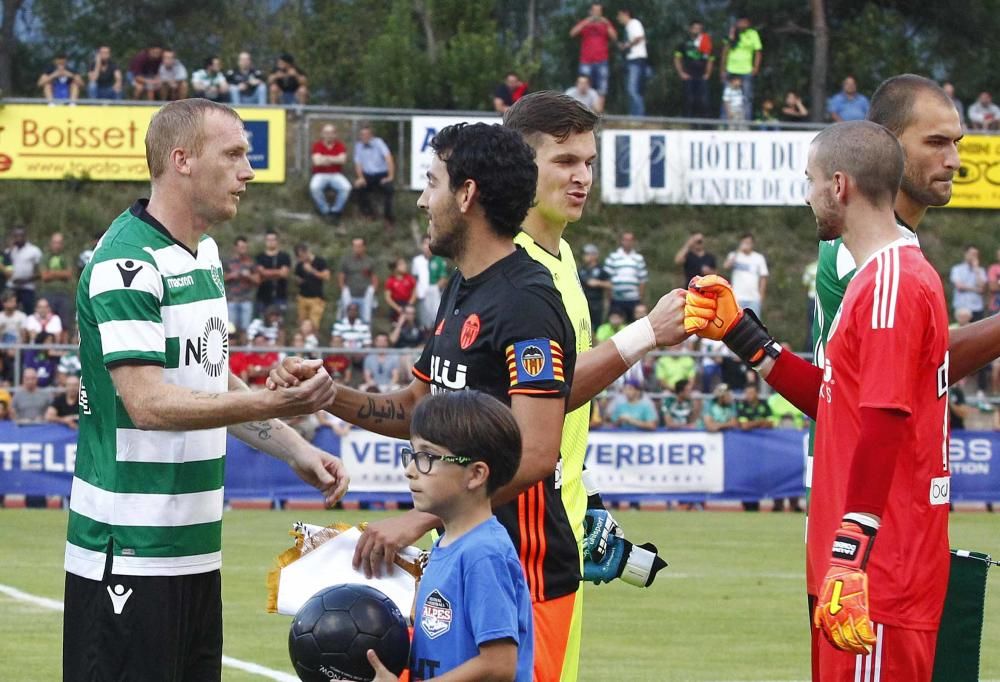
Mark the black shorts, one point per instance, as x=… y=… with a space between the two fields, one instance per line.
x=168 y=628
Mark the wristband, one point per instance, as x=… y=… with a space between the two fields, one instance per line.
x=853 y=543
x=642 y=563
x=635 y=340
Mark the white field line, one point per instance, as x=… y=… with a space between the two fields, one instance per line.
x=245 y=666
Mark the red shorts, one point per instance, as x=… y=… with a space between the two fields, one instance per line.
x=899 y=654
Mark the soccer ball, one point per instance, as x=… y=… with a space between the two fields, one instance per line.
x=335 y=628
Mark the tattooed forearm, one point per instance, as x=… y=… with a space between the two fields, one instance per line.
x=382 y=410
x=263 y=429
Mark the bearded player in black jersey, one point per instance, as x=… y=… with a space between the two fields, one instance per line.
x=502 y=329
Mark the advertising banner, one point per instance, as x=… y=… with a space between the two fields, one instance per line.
x=740 y=465
x=754 y=168
x=92 y=142
x=422 y=131
x=977 y=182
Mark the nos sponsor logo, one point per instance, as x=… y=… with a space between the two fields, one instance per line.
x=211 y=349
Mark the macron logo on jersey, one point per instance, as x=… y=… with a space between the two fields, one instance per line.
x=886 y=288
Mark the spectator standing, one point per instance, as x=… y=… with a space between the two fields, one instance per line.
x=144 y=72
x=44 y=320
x=720 y=414
x=968 y=280
x=357 y=280
x=596 y=284
x=584 y=94
x=354 y=331
x=949 y=90
x=693 y=61
x=65 y=407
x=595 y=31
x=241 y=279
x=767 y=115
x=246 y=82
x=173 y=77
x=748 y=274
x=375 y=170
x=634 y=410
x=25 y=261
x=288 y=84
x=793 y=110
x=328 y=158
x=636 y=61
x=381 y=369
x=695 y=258
x=848 y=104
x=12 y=321
x=400 y=288
x=104 y=77
x=59 y=82
x=273 y=268
x=508 y=92
x=681 y=410
x=993 y=286
x=58 y=280
x=628 y=273
x=742 y=54
x=983 y=113
x=209 y=83
x=407 y=332
x=30 y=402
x=310 y=271
x=432 y=275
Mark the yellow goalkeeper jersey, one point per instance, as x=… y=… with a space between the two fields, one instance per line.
x=576 y=426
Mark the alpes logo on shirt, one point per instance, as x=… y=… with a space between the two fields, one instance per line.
x=436 y=616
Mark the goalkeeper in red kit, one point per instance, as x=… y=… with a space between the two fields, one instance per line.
x=878 y=527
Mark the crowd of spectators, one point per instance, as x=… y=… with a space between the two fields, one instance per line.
x=155 y=73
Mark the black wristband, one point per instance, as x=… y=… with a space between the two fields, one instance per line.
x=750 y=341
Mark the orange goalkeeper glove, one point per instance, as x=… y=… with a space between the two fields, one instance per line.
x=712 y=312
x=842 y=611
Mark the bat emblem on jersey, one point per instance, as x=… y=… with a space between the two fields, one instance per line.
x=470 y=331
x=533 y=360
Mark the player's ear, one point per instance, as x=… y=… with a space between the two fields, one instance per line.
x=466 y=195
x=477 y=474
x=180 y=160
x=839 y=186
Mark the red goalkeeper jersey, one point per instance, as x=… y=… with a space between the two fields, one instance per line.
x=888 y=348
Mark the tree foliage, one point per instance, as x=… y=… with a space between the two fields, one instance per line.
x=447 y=54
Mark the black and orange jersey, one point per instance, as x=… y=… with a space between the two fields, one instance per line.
x=505 y=332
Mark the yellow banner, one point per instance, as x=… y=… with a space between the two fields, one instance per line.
x=977 y=182
x=93 y=142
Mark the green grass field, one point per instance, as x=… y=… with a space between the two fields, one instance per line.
x=731 y=605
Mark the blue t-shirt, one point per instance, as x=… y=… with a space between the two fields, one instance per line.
x=473 y=591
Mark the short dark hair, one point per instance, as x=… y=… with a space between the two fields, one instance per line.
x=239 y=238
x=499 y=161
x=270 y=230
x=550 y=113
x=681 y=385
x=865 y=151
x=208 y=61
x=892 y=104
x=472 y=424
x=301 y=247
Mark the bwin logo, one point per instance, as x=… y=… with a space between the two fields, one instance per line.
x=118 y=597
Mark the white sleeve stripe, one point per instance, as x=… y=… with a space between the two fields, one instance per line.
x=895 y=286
x=886 y=277
x=115 y=275
x=878 y=281
x=132 y=335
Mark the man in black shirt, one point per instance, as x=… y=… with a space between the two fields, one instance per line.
x=596 y=284
x=65 y=408
x=310 y=271
x=273 y=266
x=501 y=329
x=695 y=259
x=693 y=61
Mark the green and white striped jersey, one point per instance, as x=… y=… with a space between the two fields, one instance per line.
x=154 y=498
